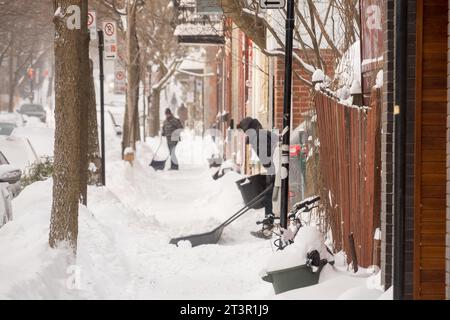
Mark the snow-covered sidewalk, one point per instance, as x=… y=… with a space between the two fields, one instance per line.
x=124 y=233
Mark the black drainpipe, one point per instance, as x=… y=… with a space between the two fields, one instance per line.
x=401 y=24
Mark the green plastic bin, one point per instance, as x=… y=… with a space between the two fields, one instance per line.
x=292 y=278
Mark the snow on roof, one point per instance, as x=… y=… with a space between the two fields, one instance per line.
x=188 y=3
x=194 y=61
x=199 y=29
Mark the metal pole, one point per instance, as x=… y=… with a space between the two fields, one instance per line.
x=290 y=23
x=401 y=23
x=101 y=47
x=143 y=103
x=203 y=105
x=144 y=115
x=32 y=75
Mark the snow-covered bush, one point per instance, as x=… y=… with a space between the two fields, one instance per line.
x=39 y=171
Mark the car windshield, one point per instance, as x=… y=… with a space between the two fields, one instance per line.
x=6 y=128
x=31 y=108
x=3 y=159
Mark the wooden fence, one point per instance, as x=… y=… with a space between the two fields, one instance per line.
x=350 y=160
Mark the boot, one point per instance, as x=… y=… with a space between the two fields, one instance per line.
x=266 y=231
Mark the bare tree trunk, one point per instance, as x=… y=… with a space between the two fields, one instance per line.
x=94 y=175
x=251 y=25
x=12 y=79
x=137 y=123
x=125 y=132
x=130 y=134
x=70 y=53
x=154 y=121
x=50 y=85
x=85 y=97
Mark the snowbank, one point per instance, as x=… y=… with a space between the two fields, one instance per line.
x=123 y=241
x=308 y=239
x=29 y=269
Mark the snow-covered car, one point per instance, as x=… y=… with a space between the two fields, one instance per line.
x=6 y=128
x=9 y=188
x=18 y=152
x=41 y=139
x=6 y=213
x=12 y=117
x=10 y=175
x=33 y=110
x=10 y=121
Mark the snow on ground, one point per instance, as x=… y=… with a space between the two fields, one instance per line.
x=124 y=233
x=336 y=283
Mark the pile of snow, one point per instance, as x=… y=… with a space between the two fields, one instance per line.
x=379 y=80
x=123 y=242
x=308 y=239
x=29 y=269
x=356 y=87
x=318 y=76
x=337 y=282
x=12 y=117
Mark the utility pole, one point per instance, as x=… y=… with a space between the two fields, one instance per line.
x=101 y=47
x=290 y=24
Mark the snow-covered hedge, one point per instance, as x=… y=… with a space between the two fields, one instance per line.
x=39 y=171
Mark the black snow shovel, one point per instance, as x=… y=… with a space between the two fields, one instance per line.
x=213 y=236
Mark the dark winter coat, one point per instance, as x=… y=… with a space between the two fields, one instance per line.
x=170 y=125
x=263 y=142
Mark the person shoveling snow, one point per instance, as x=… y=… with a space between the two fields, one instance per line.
x=263 y=143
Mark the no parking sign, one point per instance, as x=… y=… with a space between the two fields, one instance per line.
x=120 y=75
x=110 y=35
x=92 y=24
x=120 y=82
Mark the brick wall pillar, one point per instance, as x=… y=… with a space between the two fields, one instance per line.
x=447 y=252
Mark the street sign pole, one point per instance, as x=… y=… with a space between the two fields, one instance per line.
x=290 y=23
x=101 y=47
x=144 y=116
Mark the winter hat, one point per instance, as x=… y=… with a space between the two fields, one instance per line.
x=245 y=123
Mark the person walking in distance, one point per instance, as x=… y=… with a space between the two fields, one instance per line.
x=171 y=128
x=183 y=114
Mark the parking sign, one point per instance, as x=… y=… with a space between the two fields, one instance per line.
x=92 y=24
x=110 y=35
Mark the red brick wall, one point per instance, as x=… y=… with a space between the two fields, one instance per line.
x=211 y=94
x=301 y=91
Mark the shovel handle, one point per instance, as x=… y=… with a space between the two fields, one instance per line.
x=247 y=207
